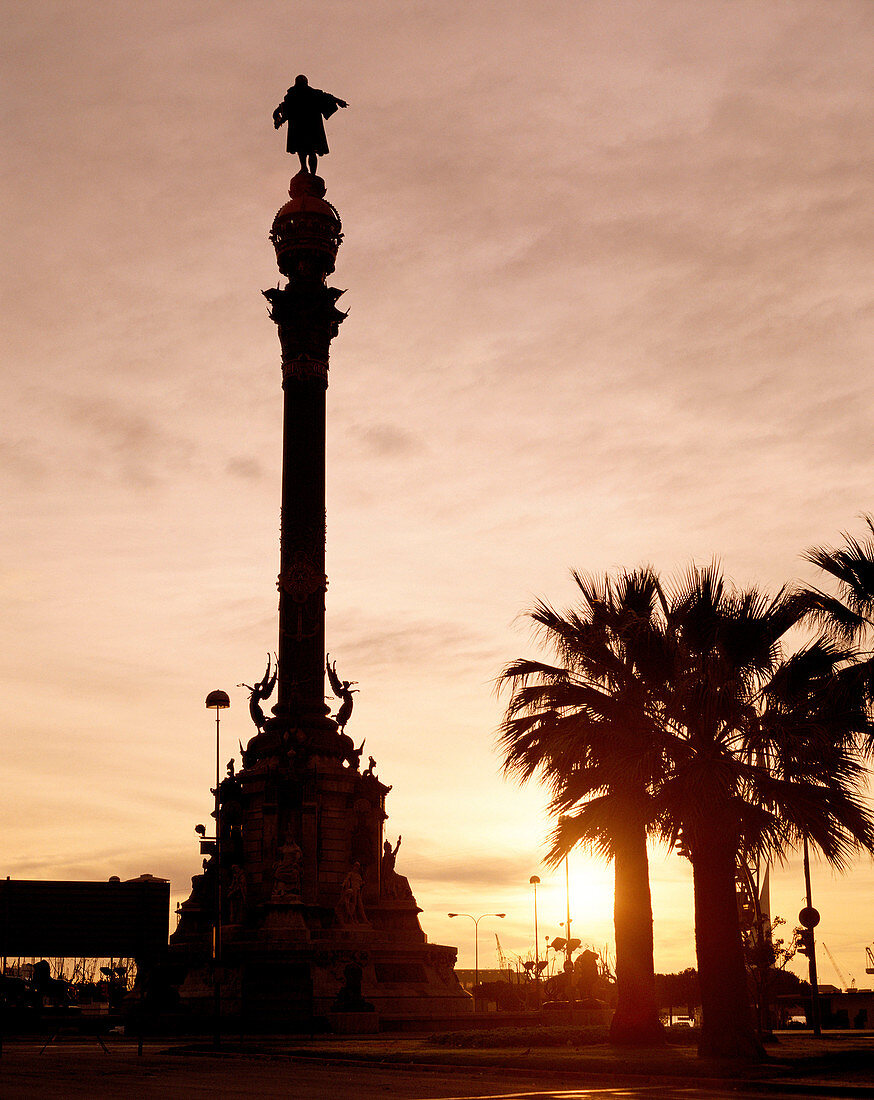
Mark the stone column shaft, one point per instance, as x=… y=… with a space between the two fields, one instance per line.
x=306 y=234
x=302 y=580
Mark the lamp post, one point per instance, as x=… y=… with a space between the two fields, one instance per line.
x=567 y=928
x=810 y=919
x=535 y=882
x=217 y=701
x=547 y=945
x=476 y=921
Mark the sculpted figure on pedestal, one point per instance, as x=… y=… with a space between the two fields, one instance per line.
x=303 y=108
x=286 y=872
x=237 y=894
x=387 y=869
x=586 y=973
x=353 y=756
x=259 y=693
x=392 y=885
x=350 y=908
x=229 y=788
x=344 y=690
x=230 y=795
x=349 y=997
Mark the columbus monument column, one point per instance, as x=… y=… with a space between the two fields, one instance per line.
x=316 y=924
x=306 y=234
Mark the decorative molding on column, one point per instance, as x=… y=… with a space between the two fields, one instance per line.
x=307 y=230
x=305 y=312
x=302 y=578
x=304 y=370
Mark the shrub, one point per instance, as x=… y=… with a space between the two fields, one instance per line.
x=557 y=1036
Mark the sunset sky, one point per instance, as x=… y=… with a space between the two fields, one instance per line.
x=609 y=271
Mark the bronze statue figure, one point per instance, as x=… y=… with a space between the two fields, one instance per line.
x=389 y=855
x=351 y=755
x=344 y=690
x=349 y=997
x=350 y=908
x=259 y=693
x=287 y=871
x=387 y=874
x=229 y=788
x=586 y=973
x=304 y=108
x=237 y=894
x=392 y=885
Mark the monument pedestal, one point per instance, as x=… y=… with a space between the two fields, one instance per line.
x=353 y=1023
x=305 y=850
x=268 y=986
x=285 y=921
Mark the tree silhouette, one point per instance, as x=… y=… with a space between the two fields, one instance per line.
x=849 y=615
x=757 y=765
x=674 y=712
x=590 y=728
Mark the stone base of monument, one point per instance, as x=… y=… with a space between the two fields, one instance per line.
x=285 y=920
x=310 y=892
x=354 y=1023
x=271 y=984
x=399 y=917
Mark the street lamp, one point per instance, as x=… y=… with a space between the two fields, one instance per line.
x=809 y=919
x=567 y=886
x=476 y=921
x=217 y=701
x=535 y=882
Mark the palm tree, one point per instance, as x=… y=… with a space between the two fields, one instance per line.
x=590 y=728
x=849 y=615
x=674 y=712
x=815 y=720
x=846 y=617
x=756 y=765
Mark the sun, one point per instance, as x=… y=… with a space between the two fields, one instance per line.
x=591 y=902
x=591 y=898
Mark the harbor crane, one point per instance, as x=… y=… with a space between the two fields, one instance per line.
x=503 y=961
x=844 y=984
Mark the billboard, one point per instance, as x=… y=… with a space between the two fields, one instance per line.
x=84 y=919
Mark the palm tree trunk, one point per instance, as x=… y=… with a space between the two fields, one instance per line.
x=727 y=1027
x=636 y=1020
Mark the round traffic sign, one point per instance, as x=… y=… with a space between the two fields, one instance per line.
x=809 y=917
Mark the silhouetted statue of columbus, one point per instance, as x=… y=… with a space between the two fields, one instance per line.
x=303 y=109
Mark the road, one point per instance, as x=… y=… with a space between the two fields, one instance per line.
x=78 y=1069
